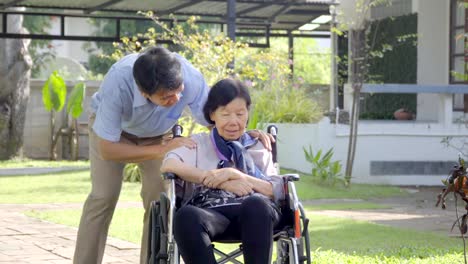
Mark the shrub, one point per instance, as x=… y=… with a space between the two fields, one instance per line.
x=285 y=105
x=132 y=173
x=323 y=168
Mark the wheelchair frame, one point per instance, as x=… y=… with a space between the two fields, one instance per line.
x=291 y=241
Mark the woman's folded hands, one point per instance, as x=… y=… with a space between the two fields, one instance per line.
x=229 y=179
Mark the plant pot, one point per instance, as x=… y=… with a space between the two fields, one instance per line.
x=403 y=114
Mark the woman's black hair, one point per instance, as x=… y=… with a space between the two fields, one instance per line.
x=224 y=92
x=157 y=68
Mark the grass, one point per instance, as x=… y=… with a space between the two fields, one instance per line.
x=339 y=240
x=55 y=188
x=30 y=163
x=309 y=188
x=369 y=239
x=344 y=206
x=334 y=240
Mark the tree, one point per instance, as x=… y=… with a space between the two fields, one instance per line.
x=40 y=50
x=15 y=71
x=358 y=27
x=310 y=62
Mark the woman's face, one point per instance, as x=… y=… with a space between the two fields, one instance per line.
x=231 y=119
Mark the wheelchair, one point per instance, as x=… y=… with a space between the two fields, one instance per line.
x=291 y=239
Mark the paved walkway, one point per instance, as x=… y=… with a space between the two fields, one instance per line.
x=28 y=240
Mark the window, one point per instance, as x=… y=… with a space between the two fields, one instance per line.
x=459 y=50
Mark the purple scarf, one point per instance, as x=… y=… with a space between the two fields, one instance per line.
x=235 y=152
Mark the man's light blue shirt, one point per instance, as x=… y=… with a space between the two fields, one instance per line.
x=119 y=105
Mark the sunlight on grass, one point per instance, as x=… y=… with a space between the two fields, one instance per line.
x=32 y=163
x=361 y=239
x=434 y=257
x=55 y=188
x=345 y=206
x=308 y=189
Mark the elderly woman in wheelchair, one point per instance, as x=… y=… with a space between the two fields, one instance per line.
x=234 y=188
x=229 y=190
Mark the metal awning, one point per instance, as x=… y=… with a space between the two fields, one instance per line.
x=275 y=16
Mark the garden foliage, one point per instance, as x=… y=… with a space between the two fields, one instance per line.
x=276 y=96
x=324 y=169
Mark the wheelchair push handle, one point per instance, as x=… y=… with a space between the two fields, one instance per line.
x=177 y=131
x=273 y=130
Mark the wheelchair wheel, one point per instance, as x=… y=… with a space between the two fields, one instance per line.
x=300 y=251
x=158 y=248
x=282 y=252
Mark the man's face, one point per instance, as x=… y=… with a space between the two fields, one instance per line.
x=165 y=98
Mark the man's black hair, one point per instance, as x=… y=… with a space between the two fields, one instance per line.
x=157 y=68
x=224 y=92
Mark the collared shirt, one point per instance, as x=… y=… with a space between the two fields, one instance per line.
x=119 y=105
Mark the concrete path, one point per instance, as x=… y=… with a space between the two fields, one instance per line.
x=28 y=240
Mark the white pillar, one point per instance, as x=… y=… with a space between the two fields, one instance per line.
x=433 y=59
x=347 y=97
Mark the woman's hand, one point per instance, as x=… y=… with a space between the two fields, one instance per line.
x=239 y=187
x=214 y=178
x=264 y=137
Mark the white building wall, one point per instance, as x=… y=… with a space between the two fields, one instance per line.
x=378 y=141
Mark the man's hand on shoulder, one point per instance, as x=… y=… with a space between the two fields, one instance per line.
x=178 y=142
x=264 y=137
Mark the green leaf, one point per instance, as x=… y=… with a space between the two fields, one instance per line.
x=253 y=120
x=54 y=92
x=309 y=154
x=46 y=96
x=317 y=157
x=328 y=155
x=75 y=100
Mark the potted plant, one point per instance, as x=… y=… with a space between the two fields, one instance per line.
x=403 y=114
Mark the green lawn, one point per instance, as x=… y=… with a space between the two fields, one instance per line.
x=308 y=189
x=30 y=163
x=55 y=188
x=344 y=206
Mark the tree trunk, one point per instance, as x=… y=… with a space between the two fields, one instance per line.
x=14 y=89
x=74 y=139
x=358 y=71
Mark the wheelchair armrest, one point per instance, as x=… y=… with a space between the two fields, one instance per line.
x=291 y=177
x=169 y=176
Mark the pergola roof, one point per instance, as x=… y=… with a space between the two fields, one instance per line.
x=276 y=14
